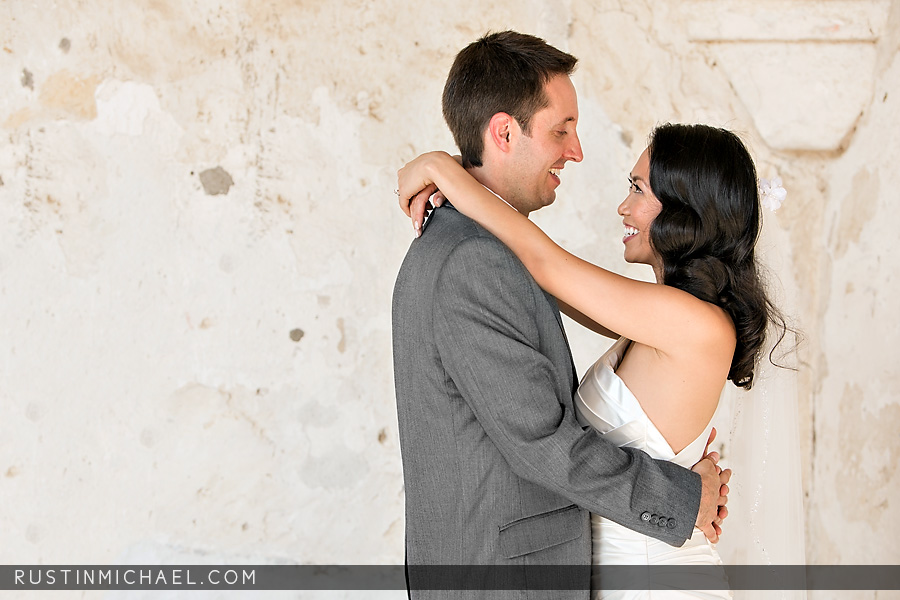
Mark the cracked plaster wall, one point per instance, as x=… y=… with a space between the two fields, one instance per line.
x=199 y=243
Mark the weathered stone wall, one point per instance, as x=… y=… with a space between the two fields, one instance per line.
x=198 y=243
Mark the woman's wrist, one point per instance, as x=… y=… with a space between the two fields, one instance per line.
x=438 y=166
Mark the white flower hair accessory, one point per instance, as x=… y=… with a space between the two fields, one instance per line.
x=772 y=194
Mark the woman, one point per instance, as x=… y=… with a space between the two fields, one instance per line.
x=692 y=213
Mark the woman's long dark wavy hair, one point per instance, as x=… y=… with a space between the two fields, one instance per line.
x=706 y=231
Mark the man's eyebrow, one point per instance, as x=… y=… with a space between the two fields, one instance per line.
x=566 y=120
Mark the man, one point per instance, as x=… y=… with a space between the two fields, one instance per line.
x=497 y=469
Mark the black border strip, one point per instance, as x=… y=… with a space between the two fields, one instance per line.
x=446 y=577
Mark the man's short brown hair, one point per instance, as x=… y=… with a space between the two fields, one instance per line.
x=501 y=72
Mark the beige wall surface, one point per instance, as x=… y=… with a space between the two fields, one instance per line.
x=199 y=239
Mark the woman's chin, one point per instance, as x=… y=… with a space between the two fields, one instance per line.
x=637 y=260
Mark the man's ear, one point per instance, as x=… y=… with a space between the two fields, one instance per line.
x=500 y=127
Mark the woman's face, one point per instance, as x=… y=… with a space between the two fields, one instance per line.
x=638 y=210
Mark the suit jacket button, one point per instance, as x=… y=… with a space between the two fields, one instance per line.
x=671 y=524
x=654 y=519
x=645 y=516
x=662 y=521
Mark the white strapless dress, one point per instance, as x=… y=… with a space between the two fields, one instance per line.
x=605 y=403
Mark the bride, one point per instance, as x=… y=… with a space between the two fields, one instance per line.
x=692 y=213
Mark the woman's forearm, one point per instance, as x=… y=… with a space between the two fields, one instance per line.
x=531 y=245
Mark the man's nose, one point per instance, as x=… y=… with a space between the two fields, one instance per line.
x=573 y=152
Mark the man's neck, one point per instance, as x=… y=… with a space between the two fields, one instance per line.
x=488 y=178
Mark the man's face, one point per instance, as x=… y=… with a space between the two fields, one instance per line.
x=536 y=161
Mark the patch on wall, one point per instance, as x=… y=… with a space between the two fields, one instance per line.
x=216 y=181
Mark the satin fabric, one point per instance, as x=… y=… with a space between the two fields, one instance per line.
x=604 y=402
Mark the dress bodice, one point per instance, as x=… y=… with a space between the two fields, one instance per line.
x=604 y=402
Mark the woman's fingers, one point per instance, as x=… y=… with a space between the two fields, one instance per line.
x=404 y=205
x=712 y=436
x=415 y=186
x=418 y=207
x=406 y=190
x=404 y=197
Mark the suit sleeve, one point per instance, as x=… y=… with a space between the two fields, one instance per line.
x=488 y=341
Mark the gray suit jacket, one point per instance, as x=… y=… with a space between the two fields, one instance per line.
x=497 y=469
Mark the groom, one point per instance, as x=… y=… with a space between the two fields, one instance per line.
x=497 y=469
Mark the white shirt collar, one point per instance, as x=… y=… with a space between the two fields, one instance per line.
x=501 y=199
